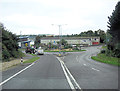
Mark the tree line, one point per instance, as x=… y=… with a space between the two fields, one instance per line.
x=90 y=33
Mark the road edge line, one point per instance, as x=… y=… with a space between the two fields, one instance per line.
x=16 y=74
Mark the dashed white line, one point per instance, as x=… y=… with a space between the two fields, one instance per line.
x=95 y=69
x=84 y=64
x=15 y=74
x=77 y=58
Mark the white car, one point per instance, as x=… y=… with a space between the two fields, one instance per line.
x=40 y=51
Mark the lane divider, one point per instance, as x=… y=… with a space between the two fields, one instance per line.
x=67 y=77
x=66 y=72
x=16 y=74
x=73 y=78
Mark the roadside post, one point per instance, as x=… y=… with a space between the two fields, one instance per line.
x=21 y=60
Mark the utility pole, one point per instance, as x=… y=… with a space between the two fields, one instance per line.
x=60 y=36
x=21 y=39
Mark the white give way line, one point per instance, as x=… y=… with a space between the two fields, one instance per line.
x=16 y=74
x=95 y=69
x=66 y=72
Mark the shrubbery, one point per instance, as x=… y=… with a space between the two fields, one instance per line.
x=9 y=45
x=102 y=51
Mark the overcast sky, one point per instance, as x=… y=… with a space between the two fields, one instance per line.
x=36 y=16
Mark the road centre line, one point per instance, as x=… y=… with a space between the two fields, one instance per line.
x=68 y=79
x=73 y=78
x=16 y=74
x=95 y=69
x=62 y=63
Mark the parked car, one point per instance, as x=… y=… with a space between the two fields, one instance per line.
x=39 y=51
x=30 y=50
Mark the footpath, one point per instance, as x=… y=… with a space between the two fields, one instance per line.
x=6 y=65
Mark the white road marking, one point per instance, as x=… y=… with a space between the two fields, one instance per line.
x=90 y=57
x=67 y=77
x=15 y=74
x=84 y=64
x=95 y=69
x=76 y=58
x=73 y=78
x=62 y=63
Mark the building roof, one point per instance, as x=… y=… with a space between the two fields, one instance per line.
x=69 y=38
x=21 y=37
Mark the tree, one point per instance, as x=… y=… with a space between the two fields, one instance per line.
x=114 y=23
x=63 y=42
x=9 y=44
x=90 y=33
x=37 y=41
x=114 y=30
x=102 y=35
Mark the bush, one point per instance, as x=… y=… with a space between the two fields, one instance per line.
x=21 y=54
x=102 y=51
x=66 y=47
x=14 y=53
x=116 y=53
x=5 y=55
x=75 y=48
x=9 y=44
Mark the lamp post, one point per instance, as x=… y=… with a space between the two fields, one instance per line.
x=60 y=36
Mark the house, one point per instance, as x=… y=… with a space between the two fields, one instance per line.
x=24 y=41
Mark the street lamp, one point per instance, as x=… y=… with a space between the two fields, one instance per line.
x=60 y=36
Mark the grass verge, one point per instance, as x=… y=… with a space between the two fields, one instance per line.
x=65 y=51
x=106 y=59
x=31 y=60
x=104 y=47
x=33 y=54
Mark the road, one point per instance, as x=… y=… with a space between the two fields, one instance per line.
x=91 y=74
x=51 y=72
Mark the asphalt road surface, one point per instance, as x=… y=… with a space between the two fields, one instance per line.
x=91 y=74
x=73 y=71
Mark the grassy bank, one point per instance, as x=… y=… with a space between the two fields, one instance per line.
x=33 y=54
x=106 y=59
x=104 y=47
x=64 y=51
x=31 y=60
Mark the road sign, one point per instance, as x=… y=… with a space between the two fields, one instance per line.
x=26 y=44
